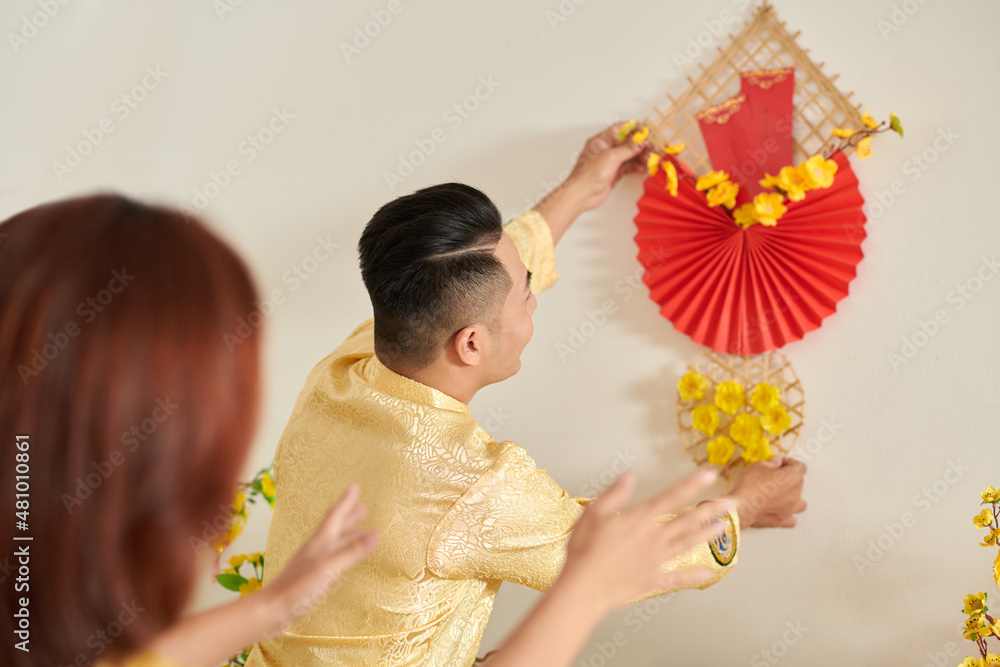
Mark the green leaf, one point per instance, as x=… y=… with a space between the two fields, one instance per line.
x=230 y=582
x=895 y=124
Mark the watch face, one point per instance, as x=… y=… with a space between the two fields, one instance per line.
x=723 y=547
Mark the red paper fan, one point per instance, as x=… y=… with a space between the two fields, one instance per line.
x=748 y=291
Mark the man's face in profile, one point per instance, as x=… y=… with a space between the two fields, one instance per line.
x=504 y=358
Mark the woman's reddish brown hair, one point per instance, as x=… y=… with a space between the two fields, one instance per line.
x=119 y=358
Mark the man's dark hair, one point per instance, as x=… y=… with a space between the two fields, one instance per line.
x=428 y=262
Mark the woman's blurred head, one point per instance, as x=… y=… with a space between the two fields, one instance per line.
x=121 y=368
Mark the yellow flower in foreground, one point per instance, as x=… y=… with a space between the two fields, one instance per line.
x=747 y=430
x=730 y=397
x=764 y=395
x=864 y=148
x=973 y=662
x=653 y=163
x=239 y=502
x=974 y=604
x=990 y=495
x=818 y=172
x=745 y=215
x=991 y=658
x=705 y=418
x=867 y=119
x=721 y=450
x=775 y=420
x=267 y=487
x=723 y=194
x=625 y=129
x=673 y=149
x=991 y=539
x=236 y=561
x=711 y=179
x=671 y=171
x=641 y=135
x=692 y=386
x=843 y=132
x=983 y=519
x=252 y=586
x=975 y=627
x=996 y=570
x=759 y=451
x=769 y=206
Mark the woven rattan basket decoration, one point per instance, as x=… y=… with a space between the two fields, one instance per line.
x=763 y=43
x=771 y=367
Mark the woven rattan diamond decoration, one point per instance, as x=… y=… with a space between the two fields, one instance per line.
x=763 y=43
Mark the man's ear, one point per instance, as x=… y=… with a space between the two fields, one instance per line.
x=469 y=345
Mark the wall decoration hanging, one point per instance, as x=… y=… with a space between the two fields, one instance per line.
x=749 y=229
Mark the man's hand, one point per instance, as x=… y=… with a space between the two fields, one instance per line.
x=603 y=161
x=770 y=492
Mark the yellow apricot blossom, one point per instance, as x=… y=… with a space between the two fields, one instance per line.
x=671 y=171
x=730 y=397
x=710 y=180
x=769 y=207
x=789 y=179
x=864 y=148
x=641 y=135
x=843 y=132
x=760 y=450
x=775 y=420
x=974 y=604
x=983 y=519
x=692 y=386
x=705 y=418
x=867 y=119
x=764 y=395
x=990 y=495
x=653 y=163
x=818 y=172
x=252 y=586
x=745 y=215
x=747 y=430
x=721 y=450
x=723 y=194
x=673 y=149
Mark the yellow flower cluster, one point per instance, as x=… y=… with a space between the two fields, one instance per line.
x=749 y=424
x=793 y=182
x=233 y=580
x=721 y=190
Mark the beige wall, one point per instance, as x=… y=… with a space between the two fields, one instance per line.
x=554 y=83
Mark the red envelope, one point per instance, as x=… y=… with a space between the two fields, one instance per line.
x=769 y=95
x=730 y=132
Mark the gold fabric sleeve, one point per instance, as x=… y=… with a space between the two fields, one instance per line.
x=533 y=238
